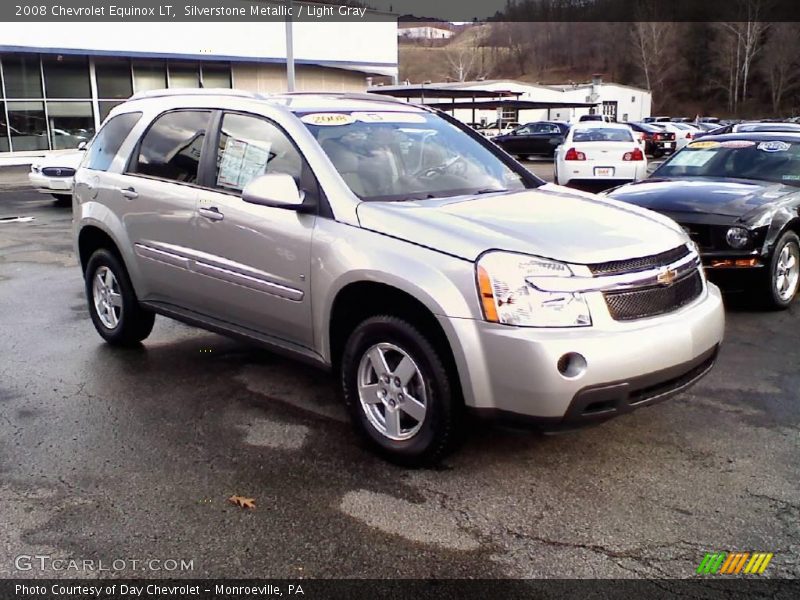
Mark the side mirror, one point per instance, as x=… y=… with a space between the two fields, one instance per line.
x=278 y=190
x=82 y=145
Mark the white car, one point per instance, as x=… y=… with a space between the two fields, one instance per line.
x=54 y=173
x=597 y=152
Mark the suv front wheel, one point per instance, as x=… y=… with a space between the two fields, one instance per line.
x=116 y=313
x=398 y=392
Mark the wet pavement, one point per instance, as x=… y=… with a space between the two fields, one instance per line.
x=131 y=454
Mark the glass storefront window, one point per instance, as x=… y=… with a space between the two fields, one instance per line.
x=106 y=106
x=66 y=76
x=113 y=78
x=23 y=79
x=4 y=145
x=216 y=76
x=70 y=123
x=28 y=126
x=150 y=75
x=184 y=75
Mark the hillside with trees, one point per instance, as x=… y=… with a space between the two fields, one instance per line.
x=742 y=68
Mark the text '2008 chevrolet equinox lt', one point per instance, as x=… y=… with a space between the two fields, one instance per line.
x=430 y=271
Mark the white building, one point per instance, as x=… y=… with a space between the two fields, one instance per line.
x=425 y=31
x=622 y=102
x=59 y=80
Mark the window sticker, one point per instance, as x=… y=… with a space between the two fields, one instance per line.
x=701 y=145
x=241 y=162
x=388 y=117
x=695 y=158
x=791 y=177
x=328 y=119
x=775 y=146
x=737 y=144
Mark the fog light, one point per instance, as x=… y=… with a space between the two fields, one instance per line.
x=572 y=365
x=737 y=237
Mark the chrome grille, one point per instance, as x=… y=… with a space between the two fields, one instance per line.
x=642 y=263
x=655 y=300
x=58 y=172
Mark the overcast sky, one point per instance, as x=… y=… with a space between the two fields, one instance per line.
x=451 y=10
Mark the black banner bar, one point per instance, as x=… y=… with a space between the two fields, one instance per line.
x=707 y=588
x=404 y=10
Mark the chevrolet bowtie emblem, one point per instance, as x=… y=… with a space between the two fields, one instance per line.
x=666 y=276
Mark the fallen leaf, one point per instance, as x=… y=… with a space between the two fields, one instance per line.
x=242 y=502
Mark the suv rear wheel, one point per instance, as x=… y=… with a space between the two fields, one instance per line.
x=116 y=313
x=398 y=392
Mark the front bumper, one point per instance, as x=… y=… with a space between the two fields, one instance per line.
x=514 y=371
x=50 y=185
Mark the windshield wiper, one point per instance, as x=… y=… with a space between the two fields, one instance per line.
x=491 y=190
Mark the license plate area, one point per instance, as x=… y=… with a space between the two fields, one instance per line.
x=604 y=171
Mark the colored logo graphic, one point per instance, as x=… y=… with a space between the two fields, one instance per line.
x=734 y=563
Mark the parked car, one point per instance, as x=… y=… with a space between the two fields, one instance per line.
x=657 y=141
x=592 y=118
x=755 y=126
x=738 y=197
x=599 y=153
x=655 y=119
x=541 y=138
x=682 y=132
x=499 y=128
x=459 y=281
x=54 y=173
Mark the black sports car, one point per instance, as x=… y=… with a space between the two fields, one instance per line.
x=541 y=137
x=738 y=197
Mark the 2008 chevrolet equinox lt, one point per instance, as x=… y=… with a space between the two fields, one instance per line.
x=385 y=241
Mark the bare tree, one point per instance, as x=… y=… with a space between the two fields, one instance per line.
x=781 y=61
x=654 y=44
x=742 y=41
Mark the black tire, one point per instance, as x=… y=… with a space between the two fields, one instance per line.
x=769 y=293
x=135 y=322
x=441 y=426
x=62 y=199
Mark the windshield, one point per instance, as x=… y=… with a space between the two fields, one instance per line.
x=408 y=156
x=772 y=160
x=602 y=134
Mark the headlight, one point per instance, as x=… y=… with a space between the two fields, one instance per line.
x=737 y=237
x=508 y=298
x=34 y=168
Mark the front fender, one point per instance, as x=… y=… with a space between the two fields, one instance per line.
x=344 y=254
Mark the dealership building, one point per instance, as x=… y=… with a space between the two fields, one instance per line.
x=58 y=81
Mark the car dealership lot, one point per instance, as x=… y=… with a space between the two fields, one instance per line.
x=106 y=454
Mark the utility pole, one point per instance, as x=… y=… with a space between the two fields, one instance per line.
x=289 y=49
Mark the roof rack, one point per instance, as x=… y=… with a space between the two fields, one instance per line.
x=197 y=92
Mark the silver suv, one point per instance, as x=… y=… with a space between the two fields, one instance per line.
x=391 y=244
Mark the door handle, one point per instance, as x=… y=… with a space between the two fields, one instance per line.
x=212 y=213
x=129 y=193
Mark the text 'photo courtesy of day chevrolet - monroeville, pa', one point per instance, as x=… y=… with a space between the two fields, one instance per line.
x=400 y=300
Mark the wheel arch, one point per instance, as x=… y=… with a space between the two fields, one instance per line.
x=348 y=309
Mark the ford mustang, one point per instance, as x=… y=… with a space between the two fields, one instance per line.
x=738 y=197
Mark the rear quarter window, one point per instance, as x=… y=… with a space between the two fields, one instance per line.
x=109 y=139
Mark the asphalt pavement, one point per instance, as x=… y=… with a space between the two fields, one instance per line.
x=109 y=454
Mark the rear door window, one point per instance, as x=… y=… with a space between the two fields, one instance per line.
x=109 y=139
x=172 y=146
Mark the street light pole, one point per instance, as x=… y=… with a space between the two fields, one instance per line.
x=289 y=49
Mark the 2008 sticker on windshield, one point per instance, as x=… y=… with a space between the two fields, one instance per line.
x=774 y=146
x=328 y=119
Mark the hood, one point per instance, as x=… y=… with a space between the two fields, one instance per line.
x=69 y=159
x=549 y=221
x=727 y=197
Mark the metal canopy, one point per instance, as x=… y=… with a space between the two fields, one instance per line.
x=515 y=104
x=422 y=91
